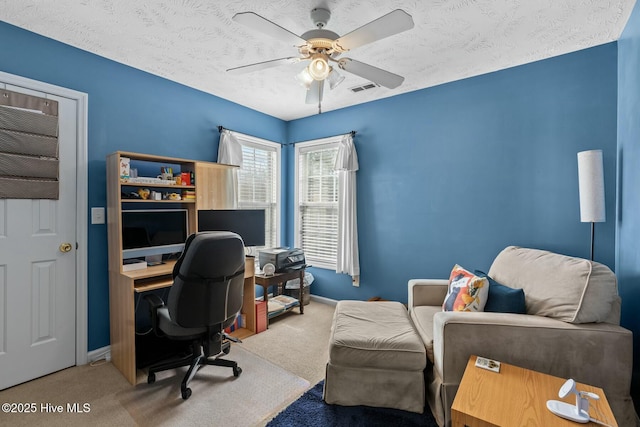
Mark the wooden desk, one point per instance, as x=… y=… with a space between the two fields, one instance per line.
x=122 y=289
x=517 y=397
x=280 y=279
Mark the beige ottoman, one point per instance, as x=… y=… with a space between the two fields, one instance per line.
x=376 y=357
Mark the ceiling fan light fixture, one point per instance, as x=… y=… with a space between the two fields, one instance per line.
x=320 y=46
x=304 y=78
x=319 y=68
x=334 y=78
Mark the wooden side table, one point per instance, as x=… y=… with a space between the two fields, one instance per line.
x=517 y=397
x=279 y=280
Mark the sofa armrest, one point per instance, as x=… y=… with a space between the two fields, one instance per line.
x=427 y=292
x=598 y=354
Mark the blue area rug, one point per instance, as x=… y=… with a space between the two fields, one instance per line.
x=310 y=410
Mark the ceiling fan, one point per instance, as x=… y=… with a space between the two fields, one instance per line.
x=323 y=47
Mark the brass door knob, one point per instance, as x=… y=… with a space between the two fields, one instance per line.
x=66 y=247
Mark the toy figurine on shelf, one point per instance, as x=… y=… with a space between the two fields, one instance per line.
x=144 y=193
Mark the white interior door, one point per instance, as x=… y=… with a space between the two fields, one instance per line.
x=38 y=279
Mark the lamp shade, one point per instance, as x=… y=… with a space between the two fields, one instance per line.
x=319 y=68
x=591 y=186
x=304 y=78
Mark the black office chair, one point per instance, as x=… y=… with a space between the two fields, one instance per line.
x=205 y=298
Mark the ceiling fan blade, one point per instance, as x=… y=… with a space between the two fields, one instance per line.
x=262 y=65
x=257 y=22
x=369 y=72
x=392 y=23
x=314 y=93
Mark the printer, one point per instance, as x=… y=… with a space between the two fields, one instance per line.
x=283 y=259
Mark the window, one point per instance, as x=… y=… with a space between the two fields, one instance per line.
x=317 y=201
x=259 y=182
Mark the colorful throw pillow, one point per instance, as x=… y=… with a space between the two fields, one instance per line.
x=503 y=299
x=467 y=292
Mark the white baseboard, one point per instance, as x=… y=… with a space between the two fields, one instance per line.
x=99 y=354
x=324 y=300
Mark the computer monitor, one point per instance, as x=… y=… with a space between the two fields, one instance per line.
x=247 y=223
x=152 y=233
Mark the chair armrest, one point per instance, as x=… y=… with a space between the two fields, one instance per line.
x=427 y=292
x=155 y=302
x=598 y=354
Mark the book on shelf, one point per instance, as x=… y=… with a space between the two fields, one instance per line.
x=125 y=168
x=286 y=301
x=240 y=322
x=281 y=303
x=188 y=194
x=274 y=308
x=261 y=316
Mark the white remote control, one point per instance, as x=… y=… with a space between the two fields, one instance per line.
x=488 y=364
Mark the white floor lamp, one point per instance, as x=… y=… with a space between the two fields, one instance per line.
x=591 y=187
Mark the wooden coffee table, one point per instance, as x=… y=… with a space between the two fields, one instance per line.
x=517 y=397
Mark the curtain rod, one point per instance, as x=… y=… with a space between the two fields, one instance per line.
x=353 y=133
x=221 y=128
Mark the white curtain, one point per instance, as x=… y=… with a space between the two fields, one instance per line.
x=346 y=166
x=229 y=149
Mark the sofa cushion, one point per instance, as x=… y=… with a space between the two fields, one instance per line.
x=467 y=292
x=375 y=335
x=573 y=290
x=422 y=317
x=503 y=299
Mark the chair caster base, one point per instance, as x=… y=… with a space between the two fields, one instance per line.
x=237 y=371
x=151 y=378
x=186 y=393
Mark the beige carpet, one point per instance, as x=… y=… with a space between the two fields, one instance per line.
x=97 y=386
x=278 y=366
x=219 y=399
x=297 y=343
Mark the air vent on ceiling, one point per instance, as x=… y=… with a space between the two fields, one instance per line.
x=365 y=86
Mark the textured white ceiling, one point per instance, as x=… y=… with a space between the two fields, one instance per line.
x=193 y=42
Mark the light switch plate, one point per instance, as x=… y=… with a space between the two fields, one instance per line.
x=97 y=215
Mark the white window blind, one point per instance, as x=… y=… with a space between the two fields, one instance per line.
x=317 y=219
x=258 y=183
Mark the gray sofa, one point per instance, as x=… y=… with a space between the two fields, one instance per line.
x=571 y=328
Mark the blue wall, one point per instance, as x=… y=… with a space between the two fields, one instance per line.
x=128 y=110
x=628 y=220
x=450 y=174
x=453 y=174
